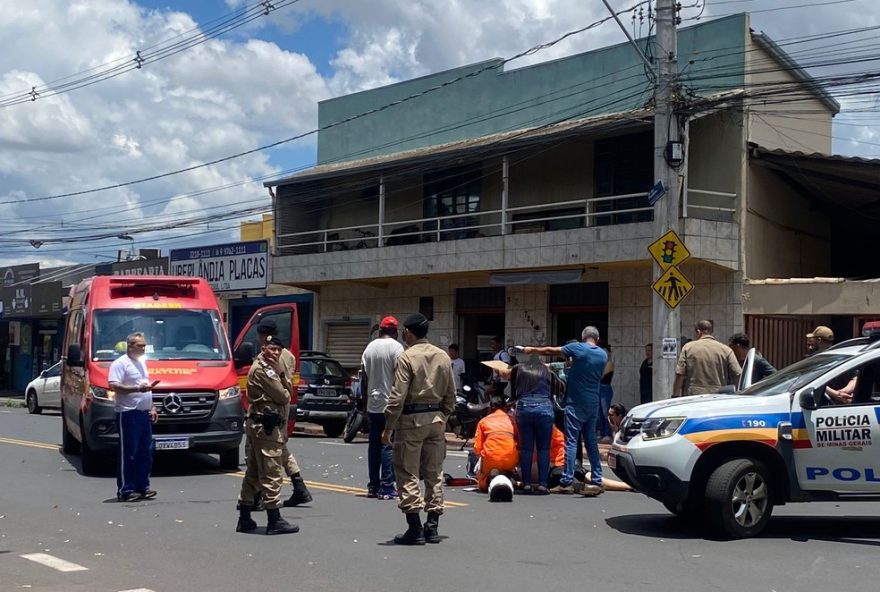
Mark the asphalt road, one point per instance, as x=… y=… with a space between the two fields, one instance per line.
x=184 y=540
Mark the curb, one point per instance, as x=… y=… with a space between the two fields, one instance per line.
x=10 y=402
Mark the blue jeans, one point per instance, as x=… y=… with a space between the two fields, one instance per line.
x=581 y=419
x=135 y=458
x=606 y=393
x=535 y=424
x=379 y=458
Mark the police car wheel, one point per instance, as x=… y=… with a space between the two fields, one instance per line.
x=739 y=498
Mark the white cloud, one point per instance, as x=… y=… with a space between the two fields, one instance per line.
x=232 y=94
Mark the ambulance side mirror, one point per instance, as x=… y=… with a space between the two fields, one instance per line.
x=74 y=356
x=807 y=399
x=244 y=355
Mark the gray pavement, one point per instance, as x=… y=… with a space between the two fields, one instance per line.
x=185 y=539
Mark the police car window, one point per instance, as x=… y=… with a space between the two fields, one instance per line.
x=796 y=375
x=859 y=387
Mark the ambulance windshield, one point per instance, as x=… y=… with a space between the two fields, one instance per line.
x=171 y=334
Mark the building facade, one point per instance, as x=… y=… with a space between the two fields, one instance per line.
x=514 y=202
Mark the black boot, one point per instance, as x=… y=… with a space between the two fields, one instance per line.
x=300 y=494
x=278 y=525
x=414 y=535
x=245 y=522
x=430 y=529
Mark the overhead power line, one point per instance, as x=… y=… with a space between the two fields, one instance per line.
x=146 y=56
x=457 y=79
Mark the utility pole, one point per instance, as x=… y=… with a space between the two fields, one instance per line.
x=666 y=320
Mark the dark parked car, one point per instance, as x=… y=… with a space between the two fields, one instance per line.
x=324 y=394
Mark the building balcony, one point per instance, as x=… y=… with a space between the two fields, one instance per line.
x=573 y=234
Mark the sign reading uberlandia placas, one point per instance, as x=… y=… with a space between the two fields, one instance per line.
x=228 y=268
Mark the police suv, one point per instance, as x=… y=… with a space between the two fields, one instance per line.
x=728 y=459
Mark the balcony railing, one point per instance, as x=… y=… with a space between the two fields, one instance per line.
x=578 y=213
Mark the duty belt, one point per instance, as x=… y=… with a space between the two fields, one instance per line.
x=419 y=408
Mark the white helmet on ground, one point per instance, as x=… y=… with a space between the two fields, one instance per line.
x=500 y=489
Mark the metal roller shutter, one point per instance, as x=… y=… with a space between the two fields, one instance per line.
x=346 y=342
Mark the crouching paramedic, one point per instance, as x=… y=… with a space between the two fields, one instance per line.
x=265 y=430
x=495 y=443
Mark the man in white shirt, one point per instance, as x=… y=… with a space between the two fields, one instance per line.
x=458 y=367
x=135 y=415
x=379 y=361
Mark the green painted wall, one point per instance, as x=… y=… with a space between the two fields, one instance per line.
x=492 y=100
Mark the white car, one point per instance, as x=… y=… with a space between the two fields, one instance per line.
x=44 y=390
x=726 y=460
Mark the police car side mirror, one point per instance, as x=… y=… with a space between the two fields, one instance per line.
x=807 y=399
x=244 y=355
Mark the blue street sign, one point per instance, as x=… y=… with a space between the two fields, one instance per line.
x=657 y=191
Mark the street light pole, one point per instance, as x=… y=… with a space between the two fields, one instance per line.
x=666 y=321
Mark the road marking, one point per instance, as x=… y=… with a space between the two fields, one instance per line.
x=333 y=443
x=138 y=590
x=239 y=474
x=28 y=443
x=53 y=562
x=360 y=491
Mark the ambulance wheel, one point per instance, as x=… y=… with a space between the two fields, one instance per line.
x=229 y=459
x=69 y=444
x=739 y=498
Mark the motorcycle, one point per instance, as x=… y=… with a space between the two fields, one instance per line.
x=471 y=405
x=357 y=421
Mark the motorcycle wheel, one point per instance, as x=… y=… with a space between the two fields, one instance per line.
x=352 y=426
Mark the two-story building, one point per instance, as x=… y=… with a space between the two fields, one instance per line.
x=513 y=201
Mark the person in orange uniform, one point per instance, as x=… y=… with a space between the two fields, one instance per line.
x=495 y=443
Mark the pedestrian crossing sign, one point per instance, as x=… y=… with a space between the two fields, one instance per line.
x=669 y=250
x=672 y=287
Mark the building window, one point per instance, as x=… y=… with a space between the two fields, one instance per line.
x=624 y=165
x=426 y=307
x=452 y=192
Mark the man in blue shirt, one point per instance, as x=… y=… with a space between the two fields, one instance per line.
x=581 y=407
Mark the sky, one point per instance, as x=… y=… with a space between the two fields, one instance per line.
x=255 y=85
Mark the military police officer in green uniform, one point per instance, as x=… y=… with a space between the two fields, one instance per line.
x=287 y=362
x=422 y=397
x=265 y=430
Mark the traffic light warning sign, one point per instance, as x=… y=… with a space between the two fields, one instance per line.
x=669 y=250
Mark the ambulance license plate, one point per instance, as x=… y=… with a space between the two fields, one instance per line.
x=172 y=444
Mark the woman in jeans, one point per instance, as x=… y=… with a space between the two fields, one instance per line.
x=531 y=384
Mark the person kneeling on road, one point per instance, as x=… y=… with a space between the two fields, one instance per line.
x=268 y=398
x=495 y=444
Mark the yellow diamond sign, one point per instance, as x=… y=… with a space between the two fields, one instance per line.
x=669 y=250
x=672 y=287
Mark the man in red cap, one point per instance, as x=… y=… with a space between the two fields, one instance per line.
x=379 y=361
